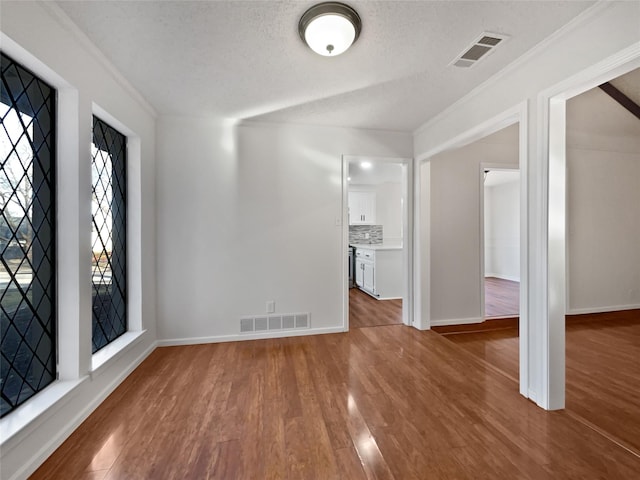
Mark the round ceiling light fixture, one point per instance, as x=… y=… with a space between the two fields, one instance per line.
x=330 y=28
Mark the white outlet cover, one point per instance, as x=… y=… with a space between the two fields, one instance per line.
x=271 y=306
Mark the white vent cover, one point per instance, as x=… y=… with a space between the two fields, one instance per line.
x=480 y=48
x=263 y=323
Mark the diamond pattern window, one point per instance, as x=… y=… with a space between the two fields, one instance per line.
x=27 y=235
x=108 y=236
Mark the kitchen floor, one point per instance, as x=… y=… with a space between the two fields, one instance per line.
x=366 y=311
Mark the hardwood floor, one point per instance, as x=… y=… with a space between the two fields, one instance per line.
x=366 y=311
x=602 y=369
x=389 y=402
x=498 y=348
x=501 y=297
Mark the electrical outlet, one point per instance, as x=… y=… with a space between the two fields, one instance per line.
x=271 y=306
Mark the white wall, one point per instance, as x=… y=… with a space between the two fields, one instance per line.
x=502 y=230
x=37 y=35
x=455 y=196
x=603 y=205
x=247 y=214
x=389 y=210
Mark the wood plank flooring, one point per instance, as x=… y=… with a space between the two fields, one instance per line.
x=497 y=347
x=602 y=369
x=389 y=402
x=501 y=297
x=366 y=311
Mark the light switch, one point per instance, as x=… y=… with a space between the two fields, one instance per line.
x=271 y=306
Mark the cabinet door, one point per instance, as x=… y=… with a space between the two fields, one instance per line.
x=359 y=273
x=362 y=208
x=368 y=208
x=368 y=277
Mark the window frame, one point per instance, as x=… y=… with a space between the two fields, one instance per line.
x=76 y=366
x=105 y=129
x=101 y=358
x=50 y=209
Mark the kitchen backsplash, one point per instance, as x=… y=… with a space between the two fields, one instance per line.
x=358 y=234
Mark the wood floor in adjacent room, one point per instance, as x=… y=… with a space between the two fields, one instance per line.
x=388 y=402
x=602 y=369
x=501 y=297
x=366 y=311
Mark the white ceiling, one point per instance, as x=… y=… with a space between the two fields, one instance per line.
x=245 y=60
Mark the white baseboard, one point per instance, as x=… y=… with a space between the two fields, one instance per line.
x=503 y=277
x=43 y=453
x=456 y=321
x=610 y=308
x=171 y=342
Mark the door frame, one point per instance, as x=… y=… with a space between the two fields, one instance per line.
x=552 y=142
x=407 y=234
x=493 y=167
x=518 y=114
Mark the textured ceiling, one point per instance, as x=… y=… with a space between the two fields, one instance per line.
x=245 y=60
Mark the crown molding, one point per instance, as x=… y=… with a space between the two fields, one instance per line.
x=85 y=42
x=517 y=63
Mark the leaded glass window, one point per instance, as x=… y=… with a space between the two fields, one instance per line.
x=27 y=235
x=108 y=236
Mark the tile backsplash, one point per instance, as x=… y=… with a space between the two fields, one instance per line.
x=358 y=234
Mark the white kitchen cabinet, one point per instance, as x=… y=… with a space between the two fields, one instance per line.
x=368 y=276
x=362 y=208
x=379 y=272
x=365 y=277
x=359 y=273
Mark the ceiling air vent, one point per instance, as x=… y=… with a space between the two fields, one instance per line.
x=484 y=44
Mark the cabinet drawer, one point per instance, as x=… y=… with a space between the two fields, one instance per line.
x=365 y=254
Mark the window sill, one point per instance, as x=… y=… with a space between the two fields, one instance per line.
x=53 y=396
x=25 y=419
x=114 y=350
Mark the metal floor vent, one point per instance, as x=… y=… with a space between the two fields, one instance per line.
x=265 y=323
x=480 y=48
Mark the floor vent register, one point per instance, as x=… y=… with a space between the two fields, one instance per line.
x=265 y=323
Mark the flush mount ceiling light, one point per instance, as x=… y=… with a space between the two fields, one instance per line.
x=330 y=28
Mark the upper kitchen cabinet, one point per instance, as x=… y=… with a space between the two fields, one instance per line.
x=362 y=208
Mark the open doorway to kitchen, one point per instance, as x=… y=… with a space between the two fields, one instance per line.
x=501 y=241
x=377 y=238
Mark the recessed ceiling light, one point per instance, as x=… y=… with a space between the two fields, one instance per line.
x=348 y=179
x=365 y=165
x=330 y=28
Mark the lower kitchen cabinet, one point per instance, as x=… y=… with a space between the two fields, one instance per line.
x=379 y=272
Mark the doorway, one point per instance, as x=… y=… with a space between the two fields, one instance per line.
x=602 y=164
x=376 y=234
x=501 y=241
x=452 y=236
